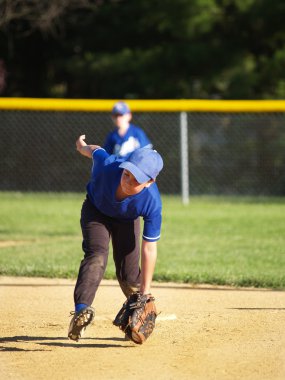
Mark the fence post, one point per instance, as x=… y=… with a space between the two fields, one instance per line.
x=184 y=157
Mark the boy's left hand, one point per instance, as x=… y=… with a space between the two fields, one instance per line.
x=137 y=317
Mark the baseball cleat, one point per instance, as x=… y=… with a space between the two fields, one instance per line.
x=79 y=322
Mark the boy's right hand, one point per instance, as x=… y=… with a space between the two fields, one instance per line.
x=83 y=148
x=80 y=142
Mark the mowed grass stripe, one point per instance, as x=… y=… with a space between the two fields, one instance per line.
x=235 y=241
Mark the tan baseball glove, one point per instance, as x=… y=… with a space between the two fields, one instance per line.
x=137 y=317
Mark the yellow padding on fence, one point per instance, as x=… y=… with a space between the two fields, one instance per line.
x=169 y=105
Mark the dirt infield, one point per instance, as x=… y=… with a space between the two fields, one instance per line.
x=201 y=333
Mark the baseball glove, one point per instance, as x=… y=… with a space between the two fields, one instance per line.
x=137 y=317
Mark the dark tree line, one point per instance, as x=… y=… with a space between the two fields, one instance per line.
x=230 y=49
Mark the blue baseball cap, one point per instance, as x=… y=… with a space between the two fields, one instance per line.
x=121 y=108
x=144 y=164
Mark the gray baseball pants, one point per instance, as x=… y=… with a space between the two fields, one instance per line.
x=97 y=231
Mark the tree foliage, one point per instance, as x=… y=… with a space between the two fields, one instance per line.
x=227 y=49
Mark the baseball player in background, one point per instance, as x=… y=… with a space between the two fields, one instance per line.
x=126 y=137
x=120 y=191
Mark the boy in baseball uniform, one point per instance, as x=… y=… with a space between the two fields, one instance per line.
x=126 y=137
x=120 y=191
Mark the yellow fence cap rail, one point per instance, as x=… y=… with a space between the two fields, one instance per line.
x=147 y=105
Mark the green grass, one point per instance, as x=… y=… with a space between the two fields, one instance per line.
x=236 y=241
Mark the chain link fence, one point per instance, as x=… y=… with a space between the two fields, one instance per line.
x=227 y=153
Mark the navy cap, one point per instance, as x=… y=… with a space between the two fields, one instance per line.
x=144 y=164
x=121 y=108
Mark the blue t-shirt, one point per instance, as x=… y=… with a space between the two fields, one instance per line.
x=101 y=189
x=123 y=145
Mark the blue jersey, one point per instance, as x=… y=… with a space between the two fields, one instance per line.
x=123 y=145
x=101 y=189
